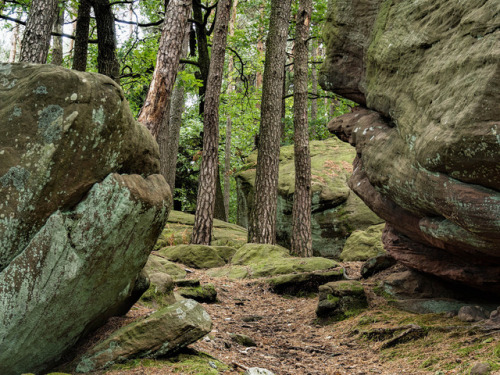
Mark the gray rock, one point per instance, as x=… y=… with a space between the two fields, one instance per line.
x=258 y=371
x=163 y=333
x=480 y=369
x=78 y=270
x=339 y=300
x=376 y=265
x=74 y=235
x=243 y=340
x=472 y=313
x=205 y=293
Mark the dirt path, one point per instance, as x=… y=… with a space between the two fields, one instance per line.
x=289 y=340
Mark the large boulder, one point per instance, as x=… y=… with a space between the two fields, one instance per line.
x=76 y=224
x=336 y=211
x=428 y=142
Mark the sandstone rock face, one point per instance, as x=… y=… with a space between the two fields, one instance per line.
x=74 y=233
x=428 y=142
x=336 y=211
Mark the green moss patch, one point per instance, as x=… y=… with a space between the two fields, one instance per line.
x=197 y=256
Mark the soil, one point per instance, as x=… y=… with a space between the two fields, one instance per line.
x=290 y=340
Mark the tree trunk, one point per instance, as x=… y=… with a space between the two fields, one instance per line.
x=229 y=123
x=157 y=101
x=14 y=40
x=168 y=137
x=260 y=43
x=202 y=230
x=301 y=242
x=203 y=55
x=107 y=61
x=82 y=36
x=262 y=226
x=36 y=40
x=314 y=79
x=57 y=49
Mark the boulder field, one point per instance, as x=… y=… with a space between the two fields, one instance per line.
x=427 y=134
x=81 y=207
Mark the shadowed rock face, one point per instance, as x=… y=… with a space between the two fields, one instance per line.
x=75 y=230
x=428 y=142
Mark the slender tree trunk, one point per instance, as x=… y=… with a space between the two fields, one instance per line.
x=204 y=66
x=314 y=79
x=260 y=43
x=157 y=101
x=203 y=222
x=168 y=137
x=229 y=122
x=301 y=215
x=107 y=61
x=262 y=226
x=203 y=55
x=73 y=32
x=36 y=40
x=57 y=49
x=82 y=36
x=14 y=40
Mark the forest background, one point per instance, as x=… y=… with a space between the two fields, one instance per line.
x=138 y=26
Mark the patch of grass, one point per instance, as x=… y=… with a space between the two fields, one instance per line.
x=188 y=362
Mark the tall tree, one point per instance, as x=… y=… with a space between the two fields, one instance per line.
x=262 y=225
x=82 y=36
x=36 y=40
x=168 y=137
x=107 y=61
x=314 y=83
x=301 y=215
x=157 y=101
x=229 y=122
x=14 y=41
x=57 y=48
x=203 y=222
x=202 y=33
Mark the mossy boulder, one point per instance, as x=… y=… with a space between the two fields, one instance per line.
x=256 y=253
x=197 y=256
x=302 y=283
x=336 y=211
x=231 y=272
x=179 y=231
x=160 y=291
x=160 y=334
x=205 y=293
x=363 y=244
x=158 y=263
x=262 y=260
x=339 y=300
x=225 y=252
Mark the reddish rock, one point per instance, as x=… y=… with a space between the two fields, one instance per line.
x=428 y=141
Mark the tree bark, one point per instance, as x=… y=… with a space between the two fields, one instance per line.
x=57 y=48
x=82 y=36
x=314 y=79
x=203 y=222
x=203 y=55
x=107 y=61
x=14 y=40
x=301 y=242
x=36 y=40
x=168 y=137
x=158 y=98
x=262 y=226
x=229 y=123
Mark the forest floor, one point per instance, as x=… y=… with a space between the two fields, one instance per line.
x=290 y=340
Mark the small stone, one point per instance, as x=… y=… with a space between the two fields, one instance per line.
x=258 y=371
x=481 y=368
x=252 y=318
x=472 y=313
x=243 y=340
